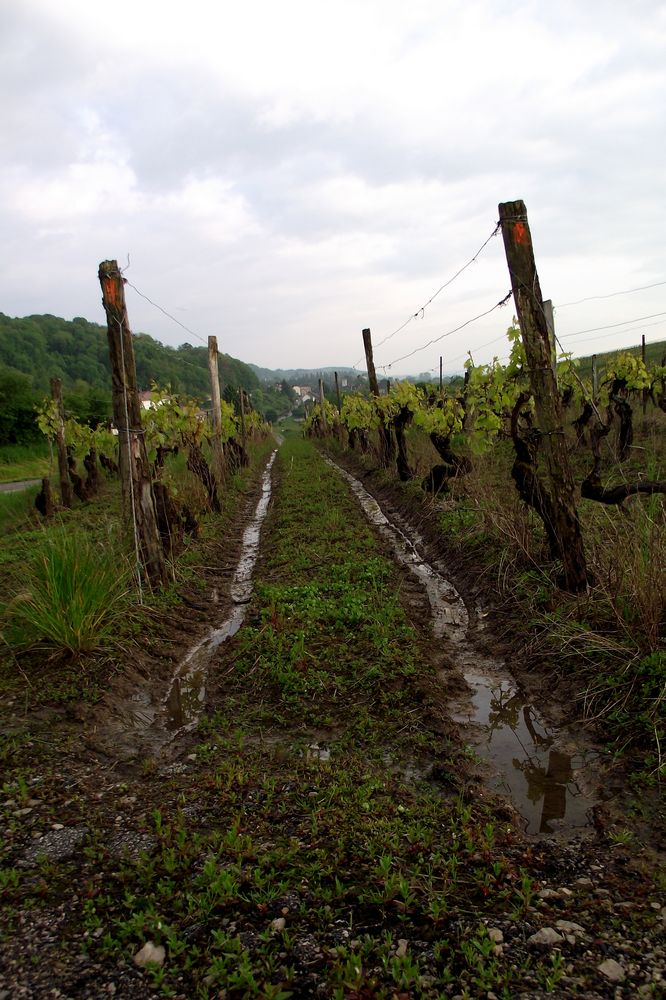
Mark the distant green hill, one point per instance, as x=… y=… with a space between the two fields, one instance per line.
x=34 y=349
x=77 y=352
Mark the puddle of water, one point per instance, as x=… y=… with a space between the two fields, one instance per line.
x=184 y=702
x=551 y=780
x=449 y=614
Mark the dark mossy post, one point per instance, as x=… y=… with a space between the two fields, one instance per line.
x=63 y=464
x=337 y=392
x=386 y=447
x=134 y=468
x=215 y=390
x=565 y=527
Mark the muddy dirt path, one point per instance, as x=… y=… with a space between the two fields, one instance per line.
x=145 y=718
x=281 y=807
x=552 y=774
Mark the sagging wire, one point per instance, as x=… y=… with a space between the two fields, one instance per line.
x=448 y=333
x=611 y=295
x=421 y=311
x=612 y=326
x=167 y=314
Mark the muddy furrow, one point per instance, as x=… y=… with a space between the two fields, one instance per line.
x=551 y=775
x=152 y=715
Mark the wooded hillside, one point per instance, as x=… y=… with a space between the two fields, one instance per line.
x=35 y=348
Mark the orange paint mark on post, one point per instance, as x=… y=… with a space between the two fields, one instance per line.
x=110 y=290
x=520 y=232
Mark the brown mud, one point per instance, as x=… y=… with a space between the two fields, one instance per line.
x=112 y=772
x=521 y=719
x=162 y=694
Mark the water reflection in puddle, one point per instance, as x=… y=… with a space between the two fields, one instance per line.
x=449 y=614
x=547 y=779
x=185 y=700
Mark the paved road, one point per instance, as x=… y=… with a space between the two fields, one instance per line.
x=15 y=487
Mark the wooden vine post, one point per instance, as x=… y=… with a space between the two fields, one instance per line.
x=337 y=391
x=322 y=407
x=241 y=396
x=63 y=465
x=386 y=449
x=136 y=480
x=564 y=523
x=214 y=372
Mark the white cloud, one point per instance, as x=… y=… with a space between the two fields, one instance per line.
x=292 y=172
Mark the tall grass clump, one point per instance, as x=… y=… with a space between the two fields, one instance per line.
x=74 y=598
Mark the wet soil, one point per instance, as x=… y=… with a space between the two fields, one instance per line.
x=139 y=754
x=531 y=746
x=162 y=693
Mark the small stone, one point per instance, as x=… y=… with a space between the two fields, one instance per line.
x=57 y=826
x=583 y=882
x=278 y=925
x=191 y=756
x=495 y=934
x=548 y=894
x=569 y=927
x=655 y=906
x=612 y=970
x=565 y=892
x=23 y=812
x=150 y=952
x=401 y=950
x=547 y=937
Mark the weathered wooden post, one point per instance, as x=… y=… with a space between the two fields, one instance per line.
x=386 y=447
x=241 y=393
x=337 y=392
x=595 y=379
x=441 y=382
x=322 y=407
x=565 y=525
x=63 y=465
x=134 y=468
x=214 y=372
x=550 y=323
x=645 y=391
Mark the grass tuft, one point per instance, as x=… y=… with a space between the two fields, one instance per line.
x=73 y=599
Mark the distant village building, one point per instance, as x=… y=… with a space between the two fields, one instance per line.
x=147 y=399
x=304 y=392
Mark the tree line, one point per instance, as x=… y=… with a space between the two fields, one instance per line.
x=34 y=349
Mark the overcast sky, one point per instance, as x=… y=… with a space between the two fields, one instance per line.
x=283 y=174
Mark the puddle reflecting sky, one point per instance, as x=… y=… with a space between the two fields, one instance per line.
x=546 y=780
x=185 y=699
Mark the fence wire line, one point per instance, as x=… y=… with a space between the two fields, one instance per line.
x=611 y=326
x=643 y=326
x=449 y=281
x=168 y=314
x=448 y=333
x=610 y=295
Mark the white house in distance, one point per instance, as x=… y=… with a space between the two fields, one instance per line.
x=304 y=392
x=147 y=399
